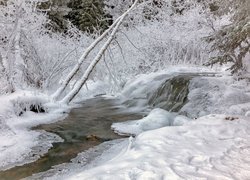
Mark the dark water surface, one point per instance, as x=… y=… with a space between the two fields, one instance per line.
x=85 y=127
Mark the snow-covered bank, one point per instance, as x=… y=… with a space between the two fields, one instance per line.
x=217 y=95
x=209 y=91
x=214 y=145
x=18 y=143
x=210 y=147
x=196 y=147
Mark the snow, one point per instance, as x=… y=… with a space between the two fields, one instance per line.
x=157 y=118
x=211 y=142
x=134 y=86
x=142 y=86
x=92 y=89
x=220 y=95
x=214 y=144
x=190 y=144
x=17 y=139
x=85 y=160
x=210 y=147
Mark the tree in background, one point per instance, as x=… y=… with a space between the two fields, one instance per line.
x=32 y=56
x=89 y=15
x=56 y=10
x=111 y=31
x=233 y=40
x=18 y=20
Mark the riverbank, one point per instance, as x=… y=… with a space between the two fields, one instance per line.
x=22 y=110
x=209 y=94
x=214 y=144
x=211 y=147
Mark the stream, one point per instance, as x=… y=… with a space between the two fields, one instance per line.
x=89 y=125
x=85 y=127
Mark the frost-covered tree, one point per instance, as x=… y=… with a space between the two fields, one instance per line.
x=233 y=40
x=111 y=31
x=18 y=20
x=89 y=15
x=160 y=33
x=31 y=56
x=56 y=11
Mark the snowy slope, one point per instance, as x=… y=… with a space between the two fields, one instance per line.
x=215 y=144
x=209 y=148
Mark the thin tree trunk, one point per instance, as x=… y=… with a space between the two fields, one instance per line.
x=20 y=65
x=81 y=60
x=70 y=96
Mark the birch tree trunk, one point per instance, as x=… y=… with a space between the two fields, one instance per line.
x=70 y=96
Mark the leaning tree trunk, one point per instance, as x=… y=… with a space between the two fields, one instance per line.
x=81 y=60
x=70 y=96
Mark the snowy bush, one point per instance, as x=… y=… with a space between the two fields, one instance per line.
x=155 y=44
x=32 y=56
x=155 y=35
x=29 y=103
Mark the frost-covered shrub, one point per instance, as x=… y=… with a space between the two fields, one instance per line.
x=152 y=45
x=233 y=40
x=29 y=103
x=32 y=56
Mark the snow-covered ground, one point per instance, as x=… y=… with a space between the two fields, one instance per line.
x=210 y=147
x=18 y=143
x=208 y=139
x=213 y=144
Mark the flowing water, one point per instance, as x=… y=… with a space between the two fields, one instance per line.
x=85 y=127
x=89 y=125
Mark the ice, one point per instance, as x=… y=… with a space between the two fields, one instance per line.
x=85 y=160
x=212 y=142
x=16 y=119
x=180 y=120
x=166 y=146
x=142 y=87
x=157 y=118
x=220 y=95
x=18 y=144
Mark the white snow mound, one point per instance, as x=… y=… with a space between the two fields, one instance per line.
x=212 y=147
x=157 y=118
